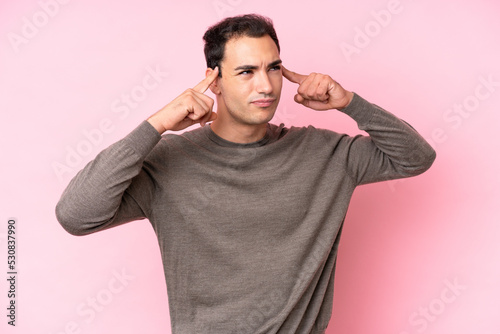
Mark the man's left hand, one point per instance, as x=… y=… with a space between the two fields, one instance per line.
x=319 y=91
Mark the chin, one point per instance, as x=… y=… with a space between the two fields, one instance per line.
x=265 y=118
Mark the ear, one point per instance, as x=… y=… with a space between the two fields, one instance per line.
x=214 y=86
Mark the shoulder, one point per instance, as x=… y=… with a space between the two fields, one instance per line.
x=174 y=144
x=298 y=133
x=173 y=139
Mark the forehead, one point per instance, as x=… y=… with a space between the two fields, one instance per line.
x=246 y=50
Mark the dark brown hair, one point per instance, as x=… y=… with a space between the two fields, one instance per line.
x=250 y=25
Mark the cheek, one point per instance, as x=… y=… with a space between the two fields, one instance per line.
x=277 y=81
x=241 y=89
x=234 y=92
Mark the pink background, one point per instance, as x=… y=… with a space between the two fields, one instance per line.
x=417 y=256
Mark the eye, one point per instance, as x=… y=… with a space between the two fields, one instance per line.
x=247 y=72
x=275 y=68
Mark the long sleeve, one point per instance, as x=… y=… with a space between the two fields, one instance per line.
x=392 y=150
x=100 y=195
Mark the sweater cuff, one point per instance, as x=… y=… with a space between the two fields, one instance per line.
x=143 y=139
x=359 y=110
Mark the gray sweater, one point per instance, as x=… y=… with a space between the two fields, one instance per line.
x=248 y=233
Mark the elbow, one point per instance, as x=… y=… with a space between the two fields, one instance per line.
x=430 y=158
x=67 y=221
x=78 y=222
x=421 y=160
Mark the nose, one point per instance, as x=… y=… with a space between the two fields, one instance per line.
x=263 y=84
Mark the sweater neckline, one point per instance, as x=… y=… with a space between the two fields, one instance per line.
x=226 y=143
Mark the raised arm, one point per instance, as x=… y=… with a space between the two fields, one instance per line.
x=393 y=148
x=116 y=186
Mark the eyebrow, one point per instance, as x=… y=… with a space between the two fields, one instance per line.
x=253 y=67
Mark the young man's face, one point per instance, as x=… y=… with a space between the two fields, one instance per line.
x=251 y=80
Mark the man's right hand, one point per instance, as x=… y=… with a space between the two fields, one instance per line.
x=189 y=108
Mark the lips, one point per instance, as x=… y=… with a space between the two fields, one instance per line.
x=263 y=102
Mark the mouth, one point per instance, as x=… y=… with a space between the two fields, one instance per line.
x=263 y=103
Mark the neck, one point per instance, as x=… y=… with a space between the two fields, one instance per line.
x=238 y=133
x=230 y=129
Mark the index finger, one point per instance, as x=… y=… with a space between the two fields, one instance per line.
x=203 y=85
x=293 y=77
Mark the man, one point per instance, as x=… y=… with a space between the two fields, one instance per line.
x=247 y=214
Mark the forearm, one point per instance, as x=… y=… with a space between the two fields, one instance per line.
x=403 y=152
x=94 y=196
